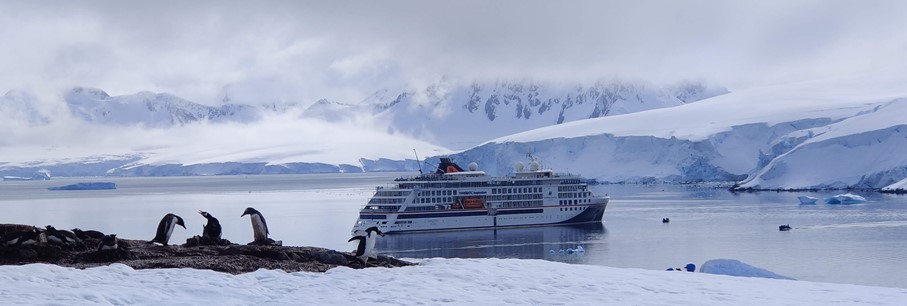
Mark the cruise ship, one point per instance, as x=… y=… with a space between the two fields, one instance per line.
x=452 y=198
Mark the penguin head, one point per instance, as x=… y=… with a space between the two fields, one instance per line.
x=179 y=221
x=50 y=228
x=204 y=214
x=375 y=230
x=250 y=211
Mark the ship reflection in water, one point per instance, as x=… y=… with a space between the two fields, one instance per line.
x=569 y=243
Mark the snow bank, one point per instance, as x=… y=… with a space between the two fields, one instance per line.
x=435 y=281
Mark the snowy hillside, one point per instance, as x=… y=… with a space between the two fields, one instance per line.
x=18 y=105
x=153 y=110
x=461 y=116
x=833 y=133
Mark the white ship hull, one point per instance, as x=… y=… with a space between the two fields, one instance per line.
x=452 y=199
x=481 y=218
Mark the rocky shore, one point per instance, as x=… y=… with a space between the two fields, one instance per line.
x=196 y=253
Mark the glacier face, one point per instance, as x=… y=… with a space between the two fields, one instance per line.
x=839 y=133
x=461 y=116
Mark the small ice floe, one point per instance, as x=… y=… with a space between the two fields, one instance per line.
x=87 y=186
x=845 y=198
x=578 y=251
x=807 y=199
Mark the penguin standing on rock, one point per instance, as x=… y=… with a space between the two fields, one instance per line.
x=165 y=228
x=259 y=226
x=366 y=247
x=212 y=228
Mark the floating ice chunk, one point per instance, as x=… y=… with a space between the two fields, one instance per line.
x=87 y=186
x=807 y=199
x=845 y=198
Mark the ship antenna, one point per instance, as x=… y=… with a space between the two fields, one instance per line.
x=419 y=161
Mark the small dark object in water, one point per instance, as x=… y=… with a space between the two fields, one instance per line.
x=784 y=228
x=665 y=220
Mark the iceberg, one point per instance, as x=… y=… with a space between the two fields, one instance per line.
x=845 y=198
x=807 y=199
x=87 y=186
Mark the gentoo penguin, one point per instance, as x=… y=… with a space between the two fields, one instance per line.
x=12 y=238
x=360 y=251
x=27 y=237
x=165 y=228
x=212 y=228
x=60 y=236
x=108 y=242
x=367 y=239
x=259 y=225
x=87 y=234
x=371 y=236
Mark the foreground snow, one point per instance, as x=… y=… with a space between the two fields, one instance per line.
x=435 y=281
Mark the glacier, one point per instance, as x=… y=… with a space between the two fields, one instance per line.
x=836 y=133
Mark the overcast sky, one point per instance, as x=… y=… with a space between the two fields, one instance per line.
x=344 y=50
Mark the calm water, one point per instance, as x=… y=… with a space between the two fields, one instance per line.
x=857 y=244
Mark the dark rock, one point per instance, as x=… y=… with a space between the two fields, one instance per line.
x=229 y=258
x=27 y=253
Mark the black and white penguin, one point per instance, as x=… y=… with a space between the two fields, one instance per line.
x=87 y=234
x=108 y=242
x=371 y=236
x=165 y=228
x=360 y=251
x=29 y=237
x=259 y=225
x=367 y=241
x=61 y=236
x=12 y=238
x=212 y=228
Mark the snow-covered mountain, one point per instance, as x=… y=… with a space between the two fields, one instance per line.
x=834 y=133
x=19 y=105
x=461 y=116
x=153 y=110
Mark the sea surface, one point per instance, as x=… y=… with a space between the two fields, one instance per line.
x=855 y=244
